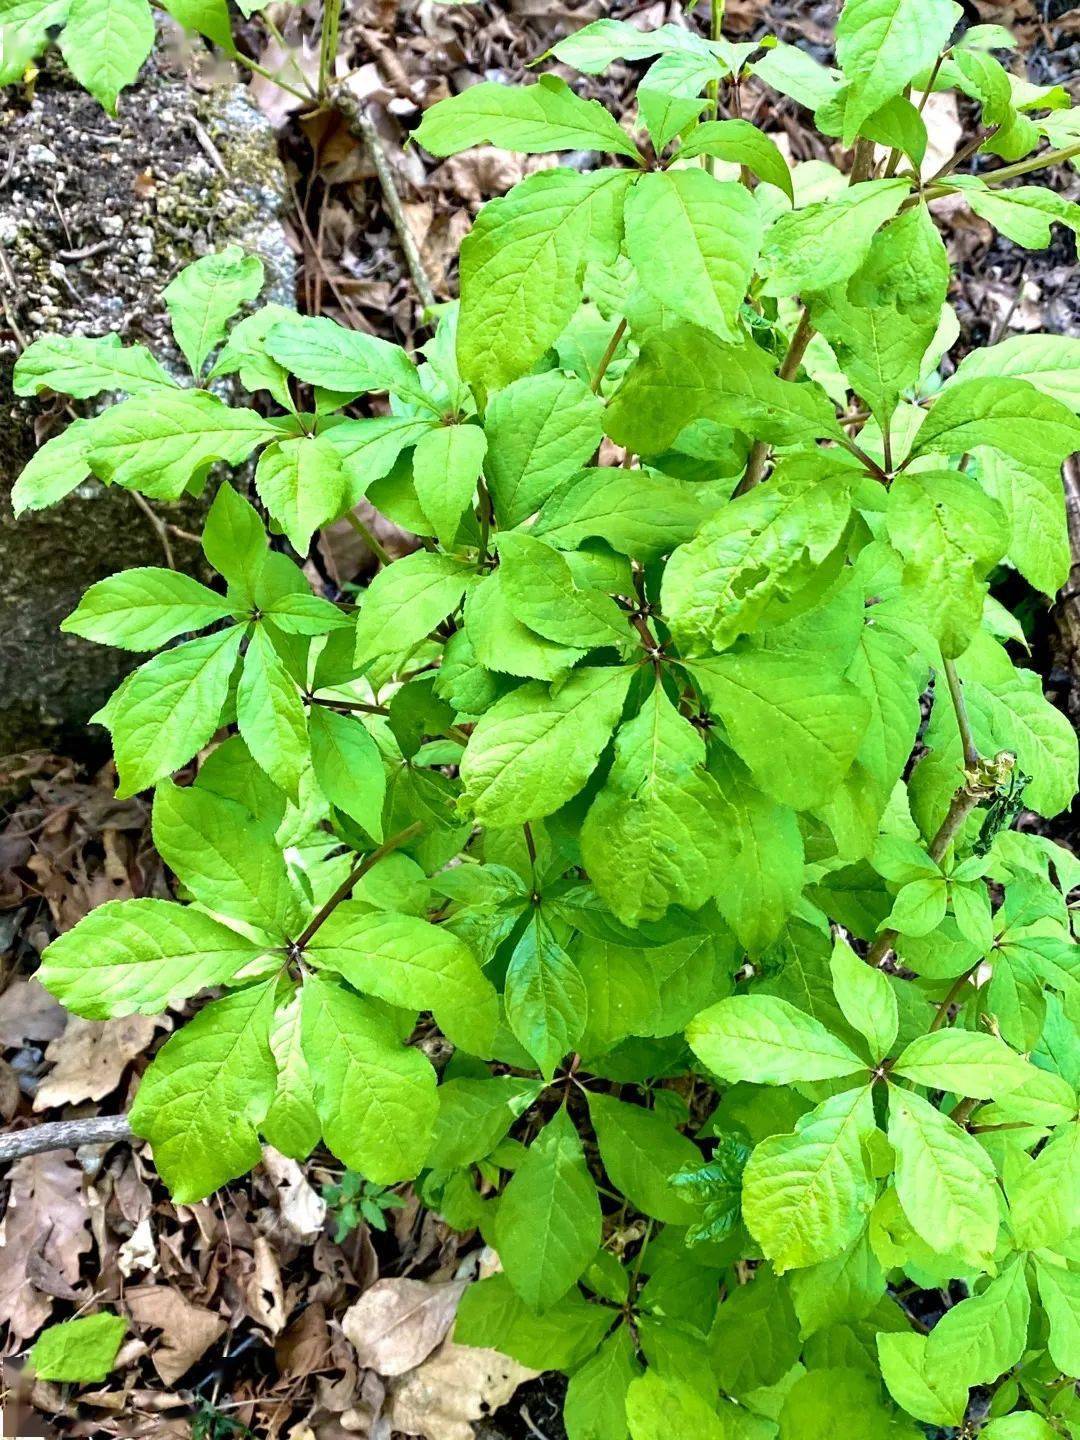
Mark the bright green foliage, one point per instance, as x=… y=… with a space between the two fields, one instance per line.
x=635 y=865
x=81 y=1350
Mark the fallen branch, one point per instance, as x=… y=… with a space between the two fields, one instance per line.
x=362 y=126
x=64 y=1135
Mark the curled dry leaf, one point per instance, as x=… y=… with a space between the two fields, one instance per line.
x=398 y=1323
x=455 y=1385
x=302 y=1208
x=187 y=1331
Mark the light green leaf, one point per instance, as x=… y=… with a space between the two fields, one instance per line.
x=270 y=714
x=944 y=1179
x=474 y=1115
x=532 y=119
x=837 y=1291
x=684 y=375
x=302 y=483
x=761 y=879
x=410 y=963
x=500 y=642
x=592 y=48
x=1059 y=1291
x=143 y=608
x=56 y=469
x=964 y=1062
x=794 y=72
x=595 y=1404
x=80 y=366
x=538 y=586
x=1023 y=213
x=1023 y=1425
x=641 y=1150
x=659 y=1407
x=161 y=443
x=292 y=1122
x=1009 y=414
x=1044 y=1200
x=545 y=997
x=1033 y=499
x=321 y=352
x=547 y=1225
x=797 y=725
x=882 y=45
x=748 y=563
x=740 y=143
x=866 y=998
x=80 y=1350
x=1049 y=362
x=806 y=1196
x=541 y=430
x=205 y=17
x=950 y=534
x=139 y=957
x=492 y=1315
x=765 y=1040
x=826 y=242
x=523 y=265
x=914 y=1382
x=638 y=513
x=348 y=767
x=406 y=601
x=206 y=295
x=658 y=805
x=446 y=467
x=982 y=1337
x=207 y=1090
x=104 y=44
x=234 y=542
x=709 y=232
x=376 y=1097
x=225 y=858
x=531 y=752
x=169 y=708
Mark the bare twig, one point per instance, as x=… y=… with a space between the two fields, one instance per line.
x=64 y=1135
x=363 y=127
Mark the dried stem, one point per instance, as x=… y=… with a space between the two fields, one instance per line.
x=64 y=1135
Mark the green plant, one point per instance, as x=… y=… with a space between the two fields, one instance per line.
x=355 y=1200
x=763 y=1019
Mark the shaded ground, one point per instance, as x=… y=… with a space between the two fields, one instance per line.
x=238 y=1303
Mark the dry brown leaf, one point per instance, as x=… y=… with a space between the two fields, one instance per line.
x=90 y=1057
x=139 y=1252
x=263 y=1291
x=304 y=1347
x=397 y=1323
x=46 y=1215
x=187 y=1331
x=457 y=1384
x=29 y=1013
x=302 y=1208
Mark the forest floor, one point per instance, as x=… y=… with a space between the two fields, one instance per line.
x=237 y=1304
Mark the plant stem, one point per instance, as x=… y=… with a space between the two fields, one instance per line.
x=716 y=21
x=257 y=69
x=608 y=355
x=954 y=991
x=361 y=705
x=328 y=44
x=967 y=739
x=357 y=873
x=1036 y=162
x=378 y=550
x=759 y=452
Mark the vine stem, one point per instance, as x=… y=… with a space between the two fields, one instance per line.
x=357 y=873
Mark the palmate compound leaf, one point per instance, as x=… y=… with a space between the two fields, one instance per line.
x=881 y=45
x=710 y=230
x=548 y=1223
x=375 y=1097
x=944 y=1179
x=684 y=374
x=806 y=1196
x=169 y=708
x=523 y=265
x=140 y=957
x=765 y=1040
x=143 y=608
x=659 y=805
x=533 y=119
x=531 y=752
x=412 y=964
x=207 y=1090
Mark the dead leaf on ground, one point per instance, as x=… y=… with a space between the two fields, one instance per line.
x=47 y=1216
x=302 y=1208
x=187 y=1331
x=397 y=1323
x=455 y=1385
x=90 y=1057
x=29 y=1013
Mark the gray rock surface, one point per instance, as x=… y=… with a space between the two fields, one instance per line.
x=96 y=216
